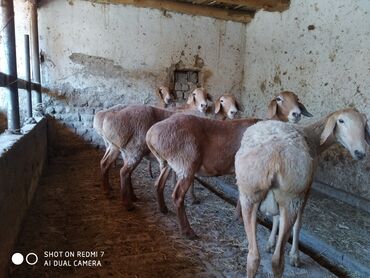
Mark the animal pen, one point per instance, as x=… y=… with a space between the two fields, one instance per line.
x=184 y=138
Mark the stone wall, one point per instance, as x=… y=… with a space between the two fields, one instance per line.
x=22 y=159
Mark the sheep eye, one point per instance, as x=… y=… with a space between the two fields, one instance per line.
x=221 y=100
x=341 y=121
x=278 y=99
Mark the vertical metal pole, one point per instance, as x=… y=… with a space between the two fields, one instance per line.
x=28 y=74
x=35 y=48
x=7 y=22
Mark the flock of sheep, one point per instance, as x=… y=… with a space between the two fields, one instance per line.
x=274 y=161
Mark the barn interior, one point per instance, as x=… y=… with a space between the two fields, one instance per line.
x=63 y=61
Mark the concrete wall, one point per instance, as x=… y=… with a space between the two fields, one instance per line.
x=321 y=50
x=22 y=159
x=98 y=55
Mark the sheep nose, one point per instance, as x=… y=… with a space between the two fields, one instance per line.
x=232 y=112
x=296 y=115
x=203 y=105
x=359 y=155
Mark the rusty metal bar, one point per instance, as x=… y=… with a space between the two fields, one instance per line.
x=27 y=64
x=35 y=49
x=8 y=27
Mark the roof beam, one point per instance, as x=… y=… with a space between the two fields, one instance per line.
x=268 y=5
x=186 y=8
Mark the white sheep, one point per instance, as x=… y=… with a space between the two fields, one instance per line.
x=275 y=167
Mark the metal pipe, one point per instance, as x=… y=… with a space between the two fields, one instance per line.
x=27 y=64
x=35 y=49
x=8 y=27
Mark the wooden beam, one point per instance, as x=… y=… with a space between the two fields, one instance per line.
x=186 y=8
x=268 y=5
x=22 y=84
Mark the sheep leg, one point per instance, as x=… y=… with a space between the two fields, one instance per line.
x=294 y=252
x=193 y=197
x=127 y=192
x=178 y=196
x=270 y=246
x=150 y=169
x=174 y=178
x=109 y=157
x=249 y=213
x=159 y=185
x=238 y=212
x=287 y=218
x=131 y=189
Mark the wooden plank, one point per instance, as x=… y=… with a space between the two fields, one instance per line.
x=186 y=8
x=22 y=84
x=268 y=5
x=3 y=79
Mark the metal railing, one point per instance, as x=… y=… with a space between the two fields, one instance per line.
x=10 y=80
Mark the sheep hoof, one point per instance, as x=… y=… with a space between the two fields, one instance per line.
x=164 y=210
x=130 y=208
x=109 y=194
x=270 y=247
x=190 y=235
x=295 y=261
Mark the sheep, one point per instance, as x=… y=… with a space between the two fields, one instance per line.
x=191 y=145
x=283 y=158
x=315 y=149
x=165 y=96
x=125 y=131
x=165 y=99
x=226 y=107
x=197 y=100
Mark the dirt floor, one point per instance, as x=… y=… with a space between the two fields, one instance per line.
x=70 y=213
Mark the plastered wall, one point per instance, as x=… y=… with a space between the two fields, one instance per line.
x=320 y=50
x=98 y=55
x=94 y=56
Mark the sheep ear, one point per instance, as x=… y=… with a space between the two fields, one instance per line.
x=367 y=129
x=304 y=110
x=328 y=129
x=159 y=93
x=272 y=109
x=217 y=106
x=367 y=133
x=191 y=99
